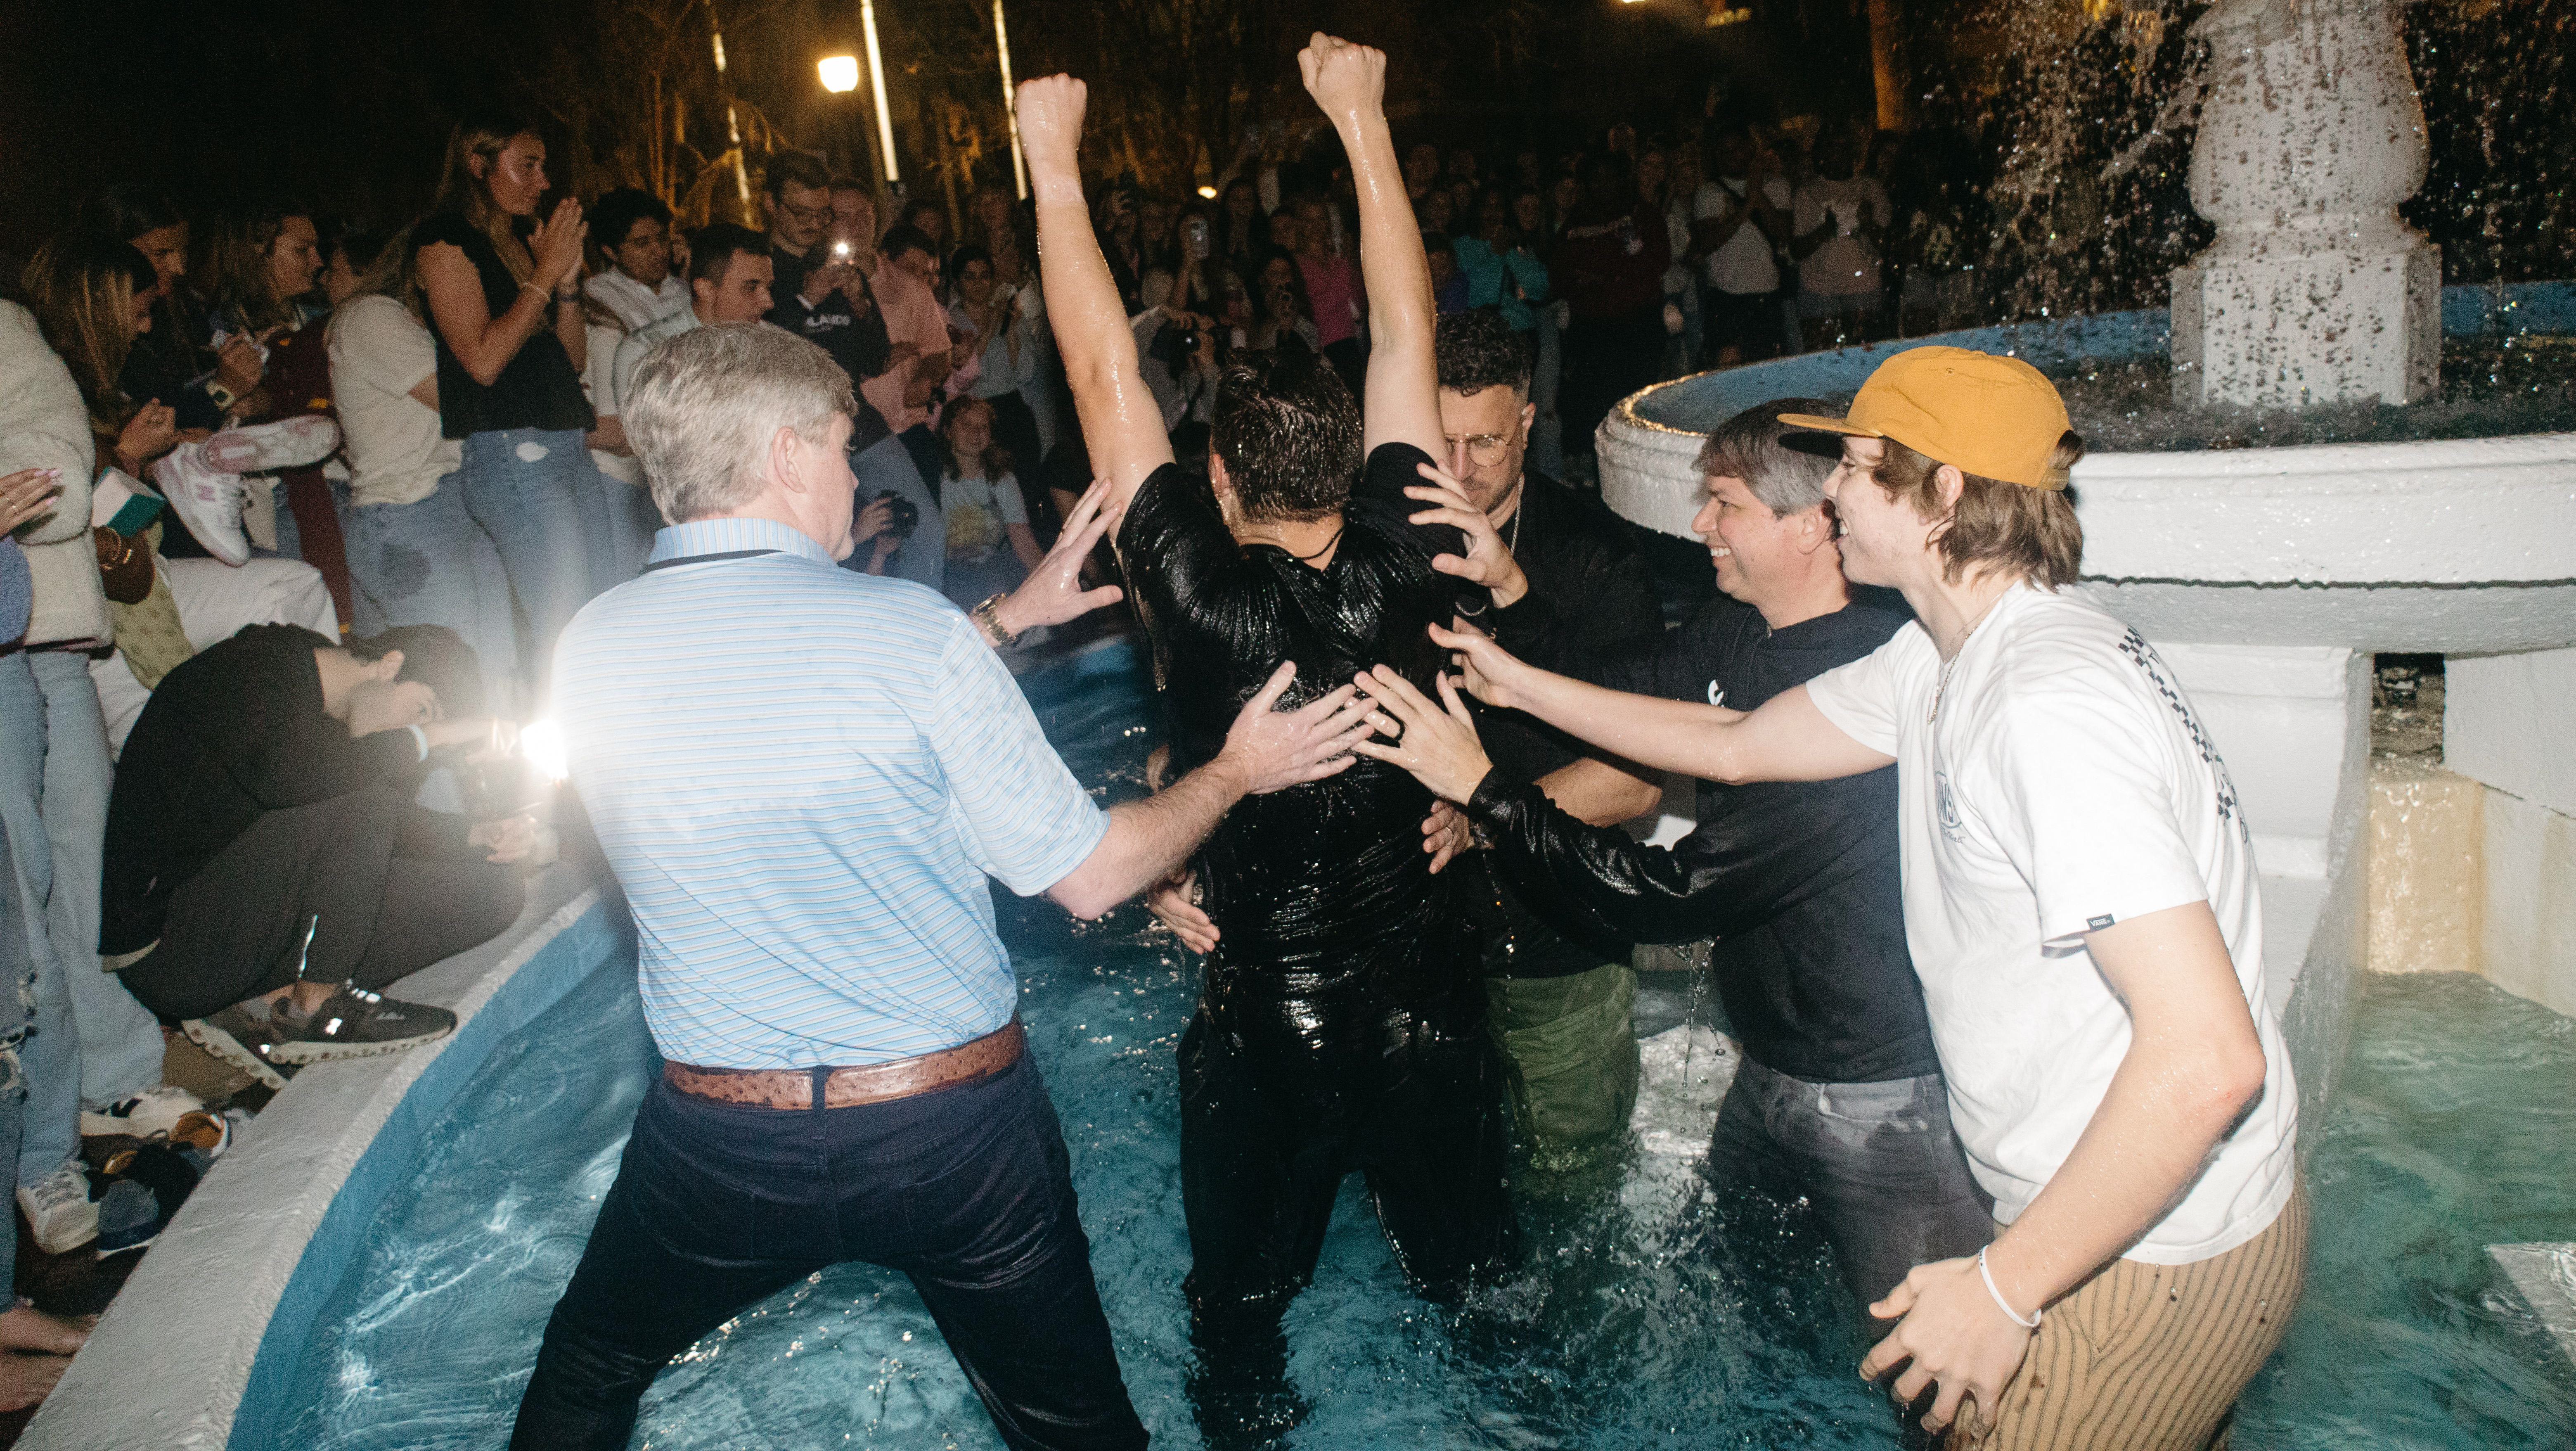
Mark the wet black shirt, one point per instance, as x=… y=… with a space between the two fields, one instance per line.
x=1584 y=559
x=1798 y=881
x=1320 y=892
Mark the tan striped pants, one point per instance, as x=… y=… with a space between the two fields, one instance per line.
x=2151 y=1357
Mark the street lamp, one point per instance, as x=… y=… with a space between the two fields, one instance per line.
x=840 y=73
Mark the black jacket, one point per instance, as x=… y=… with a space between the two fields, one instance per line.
x=234 y=732
x=1797 y=881
x=1584 y=560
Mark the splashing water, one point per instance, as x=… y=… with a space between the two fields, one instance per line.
x=1640 y=1317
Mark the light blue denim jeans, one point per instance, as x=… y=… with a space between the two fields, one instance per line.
x=632 y=523
x=17 y=1016
x=49 y=1057
x=535 y=492
x=120 y=1040
x=429 y=563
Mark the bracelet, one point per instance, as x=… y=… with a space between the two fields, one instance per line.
x=2009 y=1313
x=990 y=619
x=530 y=284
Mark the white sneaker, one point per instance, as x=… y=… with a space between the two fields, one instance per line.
x=206 y=499
x=149 y=1114
x=59 y=1209
x=288 y=443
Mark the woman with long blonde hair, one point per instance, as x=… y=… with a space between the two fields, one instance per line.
x=506 y=313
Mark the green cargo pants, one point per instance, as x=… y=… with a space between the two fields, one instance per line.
x=1570 y=1052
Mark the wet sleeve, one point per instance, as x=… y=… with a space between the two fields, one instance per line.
x=1391 y=470
x=1714 y=883
x=1025 y=819
x=1179 y=557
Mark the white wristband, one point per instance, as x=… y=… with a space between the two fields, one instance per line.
x=2013 y=1315
x=420 y=738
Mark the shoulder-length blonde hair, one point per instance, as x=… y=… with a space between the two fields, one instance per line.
x=468 y=195
x=82 y=290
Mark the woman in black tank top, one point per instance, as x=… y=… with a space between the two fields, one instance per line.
x=511 y=341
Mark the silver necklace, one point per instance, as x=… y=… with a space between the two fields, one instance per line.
x=1519 y=512
x=1942 y=687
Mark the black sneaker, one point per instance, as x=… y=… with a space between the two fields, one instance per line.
x=355 y=1023
x=242 y=1035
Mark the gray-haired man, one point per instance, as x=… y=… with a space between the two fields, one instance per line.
x=802 y=777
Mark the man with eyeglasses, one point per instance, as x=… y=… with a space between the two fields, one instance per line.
x=1557 y=1000
x=1557 y=992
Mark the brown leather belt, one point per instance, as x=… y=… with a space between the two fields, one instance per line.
x=851 y=1087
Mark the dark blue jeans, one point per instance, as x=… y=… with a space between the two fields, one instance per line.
x=1877 y=1163
x=966 y=1190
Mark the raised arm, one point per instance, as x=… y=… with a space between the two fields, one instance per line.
x=1788 y=739
x=1121 y=423
x=1403 y=394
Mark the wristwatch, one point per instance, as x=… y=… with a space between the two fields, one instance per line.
x=991 y=620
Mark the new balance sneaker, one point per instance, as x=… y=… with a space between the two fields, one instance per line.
x=242 y=1036
x=207 y=500
x=149 y=1114
x=59 y=1209
x=356 y=1023
x=288 y=443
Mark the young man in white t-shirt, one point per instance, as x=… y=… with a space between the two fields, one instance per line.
x=2081 y=906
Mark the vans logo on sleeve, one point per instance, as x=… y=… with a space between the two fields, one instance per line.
x=2096 y=924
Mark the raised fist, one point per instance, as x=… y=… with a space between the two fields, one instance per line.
x=1051 y=119
x=1348 y=81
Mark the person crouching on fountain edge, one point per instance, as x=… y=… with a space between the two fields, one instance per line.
x=802 y=776
x=2081 y=905
x=1340 y=1024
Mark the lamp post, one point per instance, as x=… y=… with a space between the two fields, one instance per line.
x=876 y=82
x=1010 y=102
x=840 y=75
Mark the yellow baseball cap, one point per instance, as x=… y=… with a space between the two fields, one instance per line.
x=1996 y=417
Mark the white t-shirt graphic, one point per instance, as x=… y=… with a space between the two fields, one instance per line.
x=2066 y=786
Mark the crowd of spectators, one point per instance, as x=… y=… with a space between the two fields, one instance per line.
x=292 y=507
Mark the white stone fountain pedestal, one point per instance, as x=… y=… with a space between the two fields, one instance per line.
x=2313 y=291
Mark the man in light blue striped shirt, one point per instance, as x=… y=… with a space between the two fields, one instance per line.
x=802 y=776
